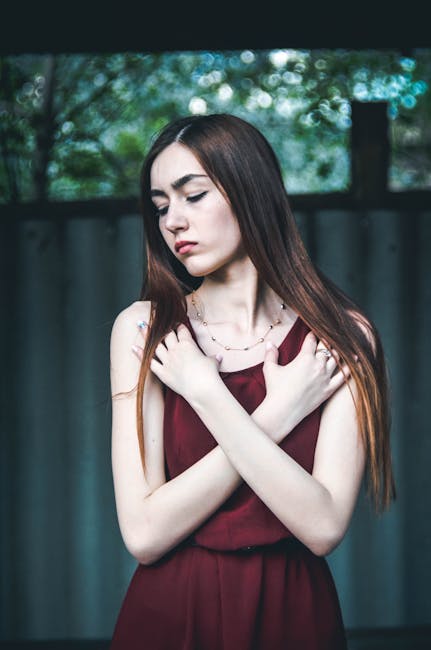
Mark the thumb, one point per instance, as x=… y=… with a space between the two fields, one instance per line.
x=271 y=353
x=138 y=351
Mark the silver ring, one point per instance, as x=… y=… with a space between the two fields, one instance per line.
x=324 y=351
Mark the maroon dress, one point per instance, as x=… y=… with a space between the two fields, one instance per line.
x=242 y=581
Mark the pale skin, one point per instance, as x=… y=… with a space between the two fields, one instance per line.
x=154 y=514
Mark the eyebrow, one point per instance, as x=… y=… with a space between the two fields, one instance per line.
x=178 y=183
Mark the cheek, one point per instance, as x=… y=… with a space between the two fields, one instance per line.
x=165 y=233
x=226 y=222
x=167 y=238
x=229 y=230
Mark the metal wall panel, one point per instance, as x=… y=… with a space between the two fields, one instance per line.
x=65 y=569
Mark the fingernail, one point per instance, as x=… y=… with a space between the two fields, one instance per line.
x=142 y=324
x=269 y=345
x=219 y=357
x=135 y=348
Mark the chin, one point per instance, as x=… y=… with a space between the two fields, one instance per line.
x=198 y=270
x=200 y=267
x=197 y=273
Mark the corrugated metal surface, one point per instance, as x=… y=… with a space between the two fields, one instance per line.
x=65 y=569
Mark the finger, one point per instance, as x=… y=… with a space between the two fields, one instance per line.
x=138 y=351
x=331 y=364
x=170 y=339
x=309 y=343
x=323 y=345
x=340 y=377
x=157 y=369
x=183 y=332
x=345 y=370
x=218 y=357
x=335 y=354
x=161 y=352
x=271 y=353
x=323 y=355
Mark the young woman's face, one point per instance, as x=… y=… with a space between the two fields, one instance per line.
x=191 y=208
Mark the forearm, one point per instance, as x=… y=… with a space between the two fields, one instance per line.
x=301 y=502
x=178 y=507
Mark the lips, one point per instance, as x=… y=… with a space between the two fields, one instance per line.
x=184 y=246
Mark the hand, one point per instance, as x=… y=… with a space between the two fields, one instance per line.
x=181 y=365
x=298 y=388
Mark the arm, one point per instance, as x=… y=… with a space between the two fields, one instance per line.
x=155 y=515
x=317 y=507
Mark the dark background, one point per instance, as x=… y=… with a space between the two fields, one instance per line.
x=184 y=25
x=388 y=271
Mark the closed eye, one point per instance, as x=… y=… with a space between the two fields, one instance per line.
x=160 y=212
x=196 y=197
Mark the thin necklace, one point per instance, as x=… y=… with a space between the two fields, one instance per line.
x=200 y=316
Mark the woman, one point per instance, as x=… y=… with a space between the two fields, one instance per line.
x=245 y=418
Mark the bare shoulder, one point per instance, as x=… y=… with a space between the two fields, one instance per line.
x=367 y=328
x=125 y=365
x=125 y=331
x=125 y=324
x=131 y=315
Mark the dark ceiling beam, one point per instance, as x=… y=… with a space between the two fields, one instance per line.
x=92 y=27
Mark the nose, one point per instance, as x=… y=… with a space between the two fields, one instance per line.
x=175 y=218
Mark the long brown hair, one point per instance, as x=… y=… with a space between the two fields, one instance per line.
x=242 y=164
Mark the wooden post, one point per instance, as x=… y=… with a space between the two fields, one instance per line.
x=369 y=151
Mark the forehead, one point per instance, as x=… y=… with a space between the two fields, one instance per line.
x=172 y=163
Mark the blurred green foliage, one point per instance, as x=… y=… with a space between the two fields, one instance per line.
x=78 y=126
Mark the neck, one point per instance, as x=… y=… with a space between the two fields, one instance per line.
x=245 y=301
